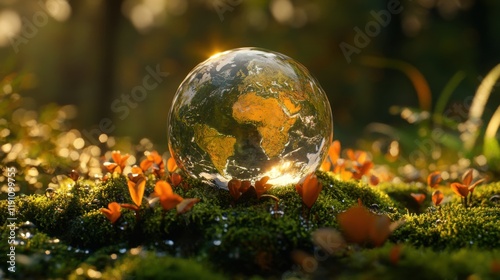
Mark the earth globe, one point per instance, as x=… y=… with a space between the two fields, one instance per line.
x=247 y=113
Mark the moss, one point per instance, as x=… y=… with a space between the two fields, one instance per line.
x=247 y=237
x=421 y=263
x=148 y=265
x=42 y=257
x=400 y=194
x=452 y=226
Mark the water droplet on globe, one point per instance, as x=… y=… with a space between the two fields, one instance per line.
x=122 y=250
x=217 y=242
x=249 y=113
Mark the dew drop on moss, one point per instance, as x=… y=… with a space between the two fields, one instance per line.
x=375 y=207
x=50 y=192
x=123 y=226
x=495 y=198
x=27 y=230
x=276 y=212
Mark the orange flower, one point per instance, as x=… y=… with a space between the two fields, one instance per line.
x=261 y=187
x=168 y=198
x=357 y=156
x=374 y=180
x=309 y=190
x=361 y=226
x=419 y=197
x=361 y=169
x=237 y=187
x=155 y=161
x=234 y=188
x=186 y=205
x=340 y=169
x=467 y=180
x=175 y=179
x=333 y=156
x=437 y=197
x=119 y=162
x=112 y=212
x=434 y=179
x=171 y=165
x=460 y=189
x=136 y=185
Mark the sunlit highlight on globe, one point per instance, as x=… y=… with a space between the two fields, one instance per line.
x=249 y=113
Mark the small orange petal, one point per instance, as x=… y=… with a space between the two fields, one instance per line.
x=437 y=197
x=136 y=190
x=170 y=201
x=310 y=190
x=112 y=212
x=355 y=224
x=473 y=186
x=176 y=179
x=334 y=151
x=163 y=189
x=460 y=189
x=186 y=205
x=326 y=165
x=136 y=170
x=380 y=230
x=111 y=166
x=145 y=165
x=350 y=154
x=298 y=188
x=245 y=185
x=419 y=197
x=261 y=187
x=467 y=177
x=171 y=165
x=116 y=156
x=234 y=188
x=434 y=179
x=374 y=180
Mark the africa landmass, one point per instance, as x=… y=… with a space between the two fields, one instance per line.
x=269 y=117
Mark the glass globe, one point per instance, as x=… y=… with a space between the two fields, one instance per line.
x=248 y=113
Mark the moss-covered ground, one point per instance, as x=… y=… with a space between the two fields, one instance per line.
x=62 y=234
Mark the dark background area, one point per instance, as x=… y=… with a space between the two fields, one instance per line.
x=90 y=53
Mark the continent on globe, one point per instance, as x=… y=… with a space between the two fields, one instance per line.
x=269 y=117
x=218 y=146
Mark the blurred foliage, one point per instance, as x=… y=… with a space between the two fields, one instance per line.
x=92 y=53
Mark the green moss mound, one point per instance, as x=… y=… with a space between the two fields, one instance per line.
x=240 y=238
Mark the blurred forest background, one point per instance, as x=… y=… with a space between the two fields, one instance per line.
x=90 y=53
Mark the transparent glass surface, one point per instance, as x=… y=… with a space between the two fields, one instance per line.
x=249 y=113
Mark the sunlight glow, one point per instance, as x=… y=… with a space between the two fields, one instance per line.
x=10 y=26
x=60 y=10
